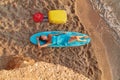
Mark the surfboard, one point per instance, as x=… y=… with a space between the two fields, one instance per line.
x=33 y=38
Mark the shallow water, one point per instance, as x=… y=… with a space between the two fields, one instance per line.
x=115 y=5
x=109 y=10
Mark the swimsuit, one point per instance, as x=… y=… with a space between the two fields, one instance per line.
x=62 y=39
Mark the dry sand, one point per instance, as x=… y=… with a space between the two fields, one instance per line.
x=42 y=71
x=75 y=63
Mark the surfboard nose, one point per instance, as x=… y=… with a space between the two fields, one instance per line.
x=33 y=40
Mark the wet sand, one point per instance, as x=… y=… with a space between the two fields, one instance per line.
x=16 y=26
x=95 y=25
x=108 y=51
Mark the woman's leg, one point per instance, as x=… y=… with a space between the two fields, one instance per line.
x=73 y=38
x=78 y=38
x=82 y=36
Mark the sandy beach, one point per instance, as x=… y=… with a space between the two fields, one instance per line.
x=21 y=60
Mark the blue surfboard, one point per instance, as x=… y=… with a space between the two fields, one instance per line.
x=33 y=38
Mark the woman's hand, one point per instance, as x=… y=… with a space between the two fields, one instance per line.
x=38 y=41
x=37 y=38
x=39 y=47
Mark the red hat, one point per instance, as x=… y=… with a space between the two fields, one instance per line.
x=38 y=17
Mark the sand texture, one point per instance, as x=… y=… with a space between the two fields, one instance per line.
x=20 y=60
x=42 y=71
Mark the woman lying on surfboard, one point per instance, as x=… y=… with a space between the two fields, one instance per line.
x=58 y=39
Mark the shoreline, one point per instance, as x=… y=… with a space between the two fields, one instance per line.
x=108 y=14
x=91 y=19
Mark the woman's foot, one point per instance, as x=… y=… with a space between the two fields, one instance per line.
x=86 y=36
x=78 y=38
x=81 y=40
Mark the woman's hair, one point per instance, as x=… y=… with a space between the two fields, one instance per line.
x=40 y=38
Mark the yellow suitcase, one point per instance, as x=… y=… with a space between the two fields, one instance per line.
x=57 y=16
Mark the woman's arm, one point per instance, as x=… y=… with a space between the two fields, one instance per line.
x=38 y=42
x=41 y=46
x=48 y=42
x=45 y=45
